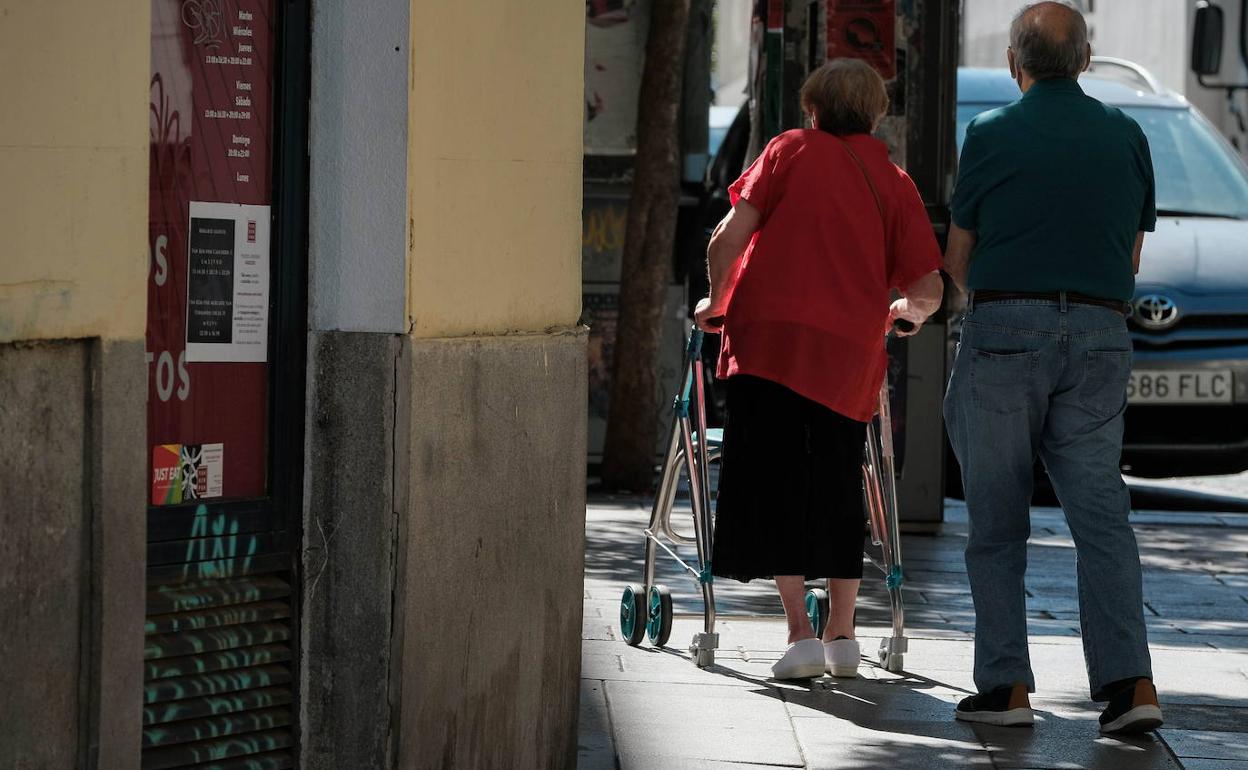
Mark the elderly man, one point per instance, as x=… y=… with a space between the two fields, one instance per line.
x=1052 y=200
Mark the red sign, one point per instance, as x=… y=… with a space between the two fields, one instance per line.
x=864 y=29
x=166 y=474
x=211 y=134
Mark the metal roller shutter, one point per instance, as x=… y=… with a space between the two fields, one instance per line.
x=219 y=649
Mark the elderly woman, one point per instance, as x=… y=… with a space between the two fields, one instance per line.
x=822 y=227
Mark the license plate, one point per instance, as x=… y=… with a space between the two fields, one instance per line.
x=1176 y=386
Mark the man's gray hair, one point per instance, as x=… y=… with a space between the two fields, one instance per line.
x=1047 y=53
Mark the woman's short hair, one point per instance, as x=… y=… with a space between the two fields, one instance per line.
x=847 y=96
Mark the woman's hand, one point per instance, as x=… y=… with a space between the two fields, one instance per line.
x=709 y=316
x=902 y=309
x=919 y=300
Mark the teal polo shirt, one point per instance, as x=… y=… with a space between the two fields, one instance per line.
x=1055 y=186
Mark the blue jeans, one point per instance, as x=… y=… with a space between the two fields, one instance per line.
x=1048 y=379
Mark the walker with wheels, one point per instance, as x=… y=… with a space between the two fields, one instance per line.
x=646 y=607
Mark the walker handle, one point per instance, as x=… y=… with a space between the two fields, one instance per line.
x=902 y=325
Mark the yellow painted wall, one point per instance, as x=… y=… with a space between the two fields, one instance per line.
x=73 y=168
x=494 y=164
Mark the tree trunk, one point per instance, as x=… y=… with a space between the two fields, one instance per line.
x=632 y=422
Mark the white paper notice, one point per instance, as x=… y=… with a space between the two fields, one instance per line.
x=214 y=464
x=227 y=284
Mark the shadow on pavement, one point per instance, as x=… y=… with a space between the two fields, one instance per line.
x=1147 y=496
x=907 y=720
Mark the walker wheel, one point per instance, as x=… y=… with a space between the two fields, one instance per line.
x=894 y=663
x=633 y=614
x=704 y=658
x=817 y=609
x=659 y=615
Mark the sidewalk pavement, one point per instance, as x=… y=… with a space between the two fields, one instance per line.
x=653 y=709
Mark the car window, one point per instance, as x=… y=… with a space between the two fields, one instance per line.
x=1195 y=172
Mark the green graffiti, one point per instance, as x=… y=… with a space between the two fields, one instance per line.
x=219 y=661
x=223 y=748
x=216 y=727
x=214 y=684
x=196 y=642
x=219 y=705
x=212 y=551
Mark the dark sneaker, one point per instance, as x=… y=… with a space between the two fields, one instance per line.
x=1133 y=710
x=1006 y=706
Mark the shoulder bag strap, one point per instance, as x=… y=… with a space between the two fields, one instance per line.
x=870 y=183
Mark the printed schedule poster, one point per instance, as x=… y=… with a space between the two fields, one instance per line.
x=227 y=286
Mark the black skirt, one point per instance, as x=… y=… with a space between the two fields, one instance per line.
x=790 y=487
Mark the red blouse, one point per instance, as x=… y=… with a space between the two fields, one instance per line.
x=808 y=305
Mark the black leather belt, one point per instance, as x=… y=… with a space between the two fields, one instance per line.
x=1073 y=297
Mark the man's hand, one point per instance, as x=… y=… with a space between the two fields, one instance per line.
x=903 y=309
x=709 y=316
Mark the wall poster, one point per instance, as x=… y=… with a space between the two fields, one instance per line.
x=211 y=119
x=227 y=289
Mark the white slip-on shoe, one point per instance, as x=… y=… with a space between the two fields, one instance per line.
x=841 y=657
x=803 y=660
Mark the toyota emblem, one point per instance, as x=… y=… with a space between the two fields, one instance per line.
x=1155 y=312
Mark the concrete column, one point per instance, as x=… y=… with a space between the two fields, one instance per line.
x=117 y=501
x=354 y=482
x=444 y=505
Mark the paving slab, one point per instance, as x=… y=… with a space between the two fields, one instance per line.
x=828 y=749
x=1057 y=741
x=1197 y=717
x=690 y=740
x=632 y=761
x=879 y=699
x=594 y=745
x=719 y=706
x=1230 y=608
x=1208 y=744
x=1214 y=764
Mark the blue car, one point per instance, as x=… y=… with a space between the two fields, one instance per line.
x=1188 y=398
